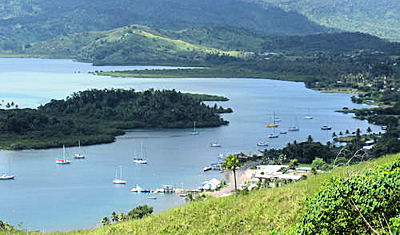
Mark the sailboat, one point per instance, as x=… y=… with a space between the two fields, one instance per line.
x=273 y=135
x=274 y=124
x=294 y=128
x=141 y=159
x=63 y=161
x=194 y=132
x=119 y=180
x=79 y=155
x=308 y=116
x=6 y=176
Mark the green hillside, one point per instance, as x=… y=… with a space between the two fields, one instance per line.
x=138 y=45
x=259 y=212
x=23 y=22
x=380 y=18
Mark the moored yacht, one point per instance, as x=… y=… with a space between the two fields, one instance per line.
x=6 y=177
x=79 y=155
x=194 y=132
x=325 y=128
x=63 y=161
x=118 y=178
x=139 y=161
x=273 y=136
x=262 y=144
x=215 y=144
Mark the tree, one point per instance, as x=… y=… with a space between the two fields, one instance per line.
x=105 y=221
x=369 y=130
x=319 y=164
x=231 y=162
x=293 y=163
x=309 y=139
x=114 y=217
x=140 y=212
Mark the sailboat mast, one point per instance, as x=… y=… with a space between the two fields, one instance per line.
x=64 y=152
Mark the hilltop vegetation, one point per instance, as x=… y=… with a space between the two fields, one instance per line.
x=97 y=116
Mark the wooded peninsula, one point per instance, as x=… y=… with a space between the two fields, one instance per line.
x=98 y=116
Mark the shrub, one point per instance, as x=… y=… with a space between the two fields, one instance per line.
x=361 y=204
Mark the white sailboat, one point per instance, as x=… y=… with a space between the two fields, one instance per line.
x=141 y=159
x=118 y=179
x=79 y=155
x=194 y=132
x=308 y=116
x=295 y=127
x=63 y=161
x=7 y=176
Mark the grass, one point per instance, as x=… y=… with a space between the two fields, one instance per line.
x=258 y=212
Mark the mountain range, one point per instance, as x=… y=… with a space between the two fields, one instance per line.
x=110 y=31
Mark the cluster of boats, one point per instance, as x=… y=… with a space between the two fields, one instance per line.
x=275 y=124
x=65 y=161
x=137 y=160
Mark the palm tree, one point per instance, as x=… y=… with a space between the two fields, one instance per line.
x=231 y=162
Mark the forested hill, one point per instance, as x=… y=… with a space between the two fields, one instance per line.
x=137 y=44
x=36 y=20
x=203 y=46
x=377 y=17
x=97 y=116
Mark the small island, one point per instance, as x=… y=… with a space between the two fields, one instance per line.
x=98 y=116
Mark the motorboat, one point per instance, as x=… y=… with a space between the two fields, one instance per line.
x=207 y=168
x=215 y=144
x=273 y=136
x=262 y=144
x=139 y=161
x=6 y=177
x=326 y=128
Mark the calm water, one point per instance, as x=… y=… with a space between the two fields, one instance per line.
x=49 y=197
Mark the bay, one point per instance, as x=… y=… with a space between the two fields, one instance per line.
x=48 y=197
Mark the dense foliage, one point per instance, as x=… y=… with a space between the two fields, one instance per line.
x=6 y=227
x=138 y=212
x=361 y=204
x=97 y=116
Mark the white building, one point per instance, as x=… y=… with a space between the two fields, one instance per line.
x=212 y=184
